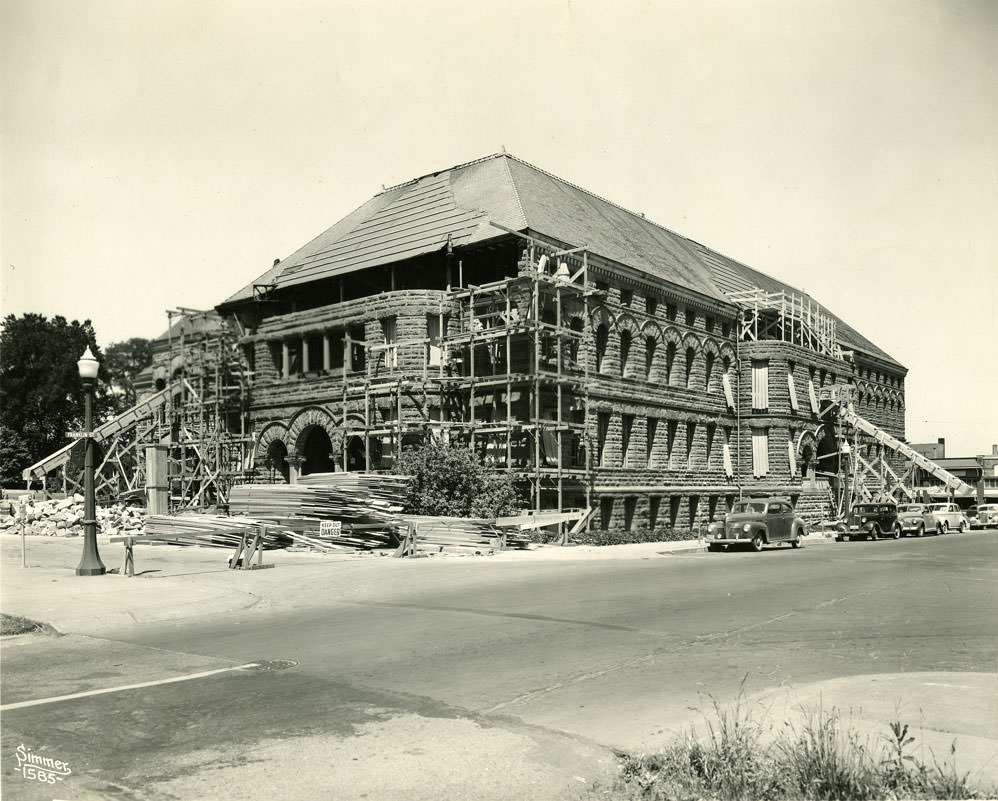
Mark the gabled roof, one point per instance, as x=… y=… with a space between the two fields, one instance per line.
x=459 y=205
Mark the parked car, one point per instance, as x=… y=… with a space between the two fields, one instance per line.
x=943 y=517
x=910 y=518
x=870 y=521
x=986 y=515
x=756 y=522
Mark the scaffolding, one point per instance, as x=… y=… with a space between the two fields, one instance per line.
x=190 y=417
x=506 y=372
x=887 y=471
x=787 y=317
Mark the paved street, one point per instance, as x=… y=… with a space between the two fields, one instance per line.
x=502 y=677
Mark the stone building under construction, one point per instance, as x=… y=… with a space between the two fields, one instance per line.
x=609 y=363
x=604 y=359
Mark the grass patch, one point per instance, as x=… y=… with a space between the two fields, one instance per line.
x=737 y=756
x=12 y=624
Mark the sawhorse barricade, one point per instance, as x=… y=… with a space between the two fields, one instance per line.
x=250 y=543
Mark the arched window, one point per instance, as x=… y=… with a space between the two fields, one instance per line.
x=709 y=370
x=651 y=344
x=602 y=337
x=625 y=350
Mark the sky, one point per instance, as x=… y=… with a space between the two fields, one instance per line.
x=160 y=154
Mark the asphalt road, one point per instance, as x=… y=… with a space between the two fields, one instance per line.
x=471 y=678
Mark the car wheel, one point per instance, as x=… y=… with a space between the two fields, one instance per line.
x=897 y=532
x=940 y=529
x=946 y=527
x=874 y=533
x=795 y=542
x=963 y=527
x=757 y=542
x=921 y=531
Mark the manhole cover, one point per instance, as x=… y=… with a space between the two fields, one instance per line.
x=273 y=664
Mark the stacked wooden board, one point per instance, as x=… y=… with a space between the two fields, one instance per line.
x=461 y=533
x=221 y=532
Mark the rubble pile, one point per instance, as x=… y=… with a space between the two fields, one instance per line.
x=54 y=518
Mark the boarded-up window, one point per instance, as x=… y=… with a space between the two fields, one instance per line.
x=792 y=386
x=434 y=349
x=813 y=395
x=654 y=502
x=389 y=330
x=760 y=384
x=728 y=470
x=760 y=452
x=792 y=454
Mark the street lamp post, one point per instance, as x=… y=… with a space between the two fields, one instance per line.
x=90 y=564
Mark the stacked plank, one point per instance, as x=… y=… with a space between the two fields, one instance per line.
x=366 y=506
x=221 y=532
x=461 y=533
x=302 y=500
x=381 y=492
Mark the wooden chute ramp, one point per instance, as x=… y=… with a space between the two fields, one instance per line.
x=888 y=468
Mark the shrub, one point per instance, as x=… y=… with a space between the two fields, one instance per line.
x=450 y=480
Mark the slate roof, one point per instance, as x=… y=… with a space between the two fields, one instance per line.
x=417 y=217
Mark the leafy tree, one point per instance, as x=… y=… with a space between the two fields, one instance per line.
x=41 y=395
x=124 y=361
x=451 y=480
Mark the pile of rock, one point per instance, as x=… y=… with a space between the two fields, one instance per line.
x=52 y=518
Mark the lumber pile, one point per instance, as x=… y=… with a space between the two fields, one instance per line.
x=220 y=532
x=345 y=503
x=435 y=534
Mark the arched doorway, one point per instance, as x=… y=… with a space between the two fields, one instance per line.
x=355 y=454
x=277 y=461
x=316 y=450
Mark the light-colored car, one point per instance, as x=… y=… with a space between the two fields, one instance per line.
x=910 y=517
x=944 y=517
x=756 y=522
x=986 y=517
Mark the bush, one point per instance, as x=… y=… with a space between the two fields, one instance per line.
x=450 y=480
x=738 y=759
x=618 y=536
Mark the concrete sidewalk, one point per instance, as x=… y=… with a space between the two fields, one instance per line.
x=172 y=582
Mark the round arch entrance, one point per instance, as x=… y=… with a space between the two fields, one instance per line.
x=316 y=449
x=277 y=461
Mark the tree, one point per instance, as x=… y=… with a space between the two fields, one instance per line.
x=124 y=361
x=450 y=480
x=41 y=395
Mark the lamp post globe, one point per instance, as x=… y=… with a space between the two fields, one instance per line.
x=90 y=564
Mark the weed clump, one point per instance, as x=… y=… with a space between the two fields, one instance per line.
x=740 y=757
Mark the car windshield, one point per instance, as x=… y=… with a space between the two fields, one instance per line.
x=866 y=510
x=748 y=506
x=911 y=507
x=939 y=507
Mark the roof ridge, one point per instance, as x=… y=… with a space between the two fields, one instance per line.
x=435 y=173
